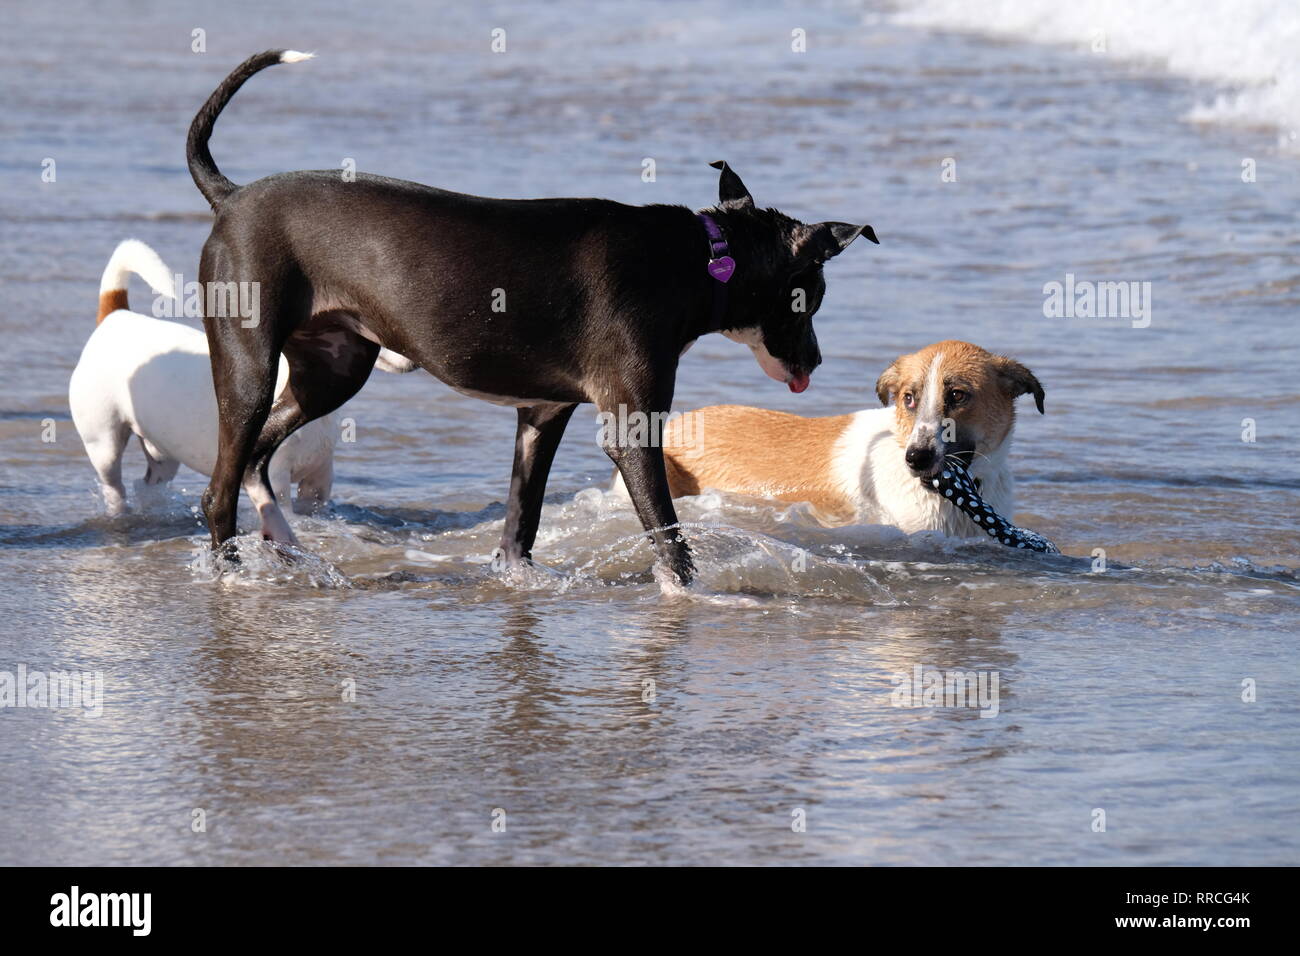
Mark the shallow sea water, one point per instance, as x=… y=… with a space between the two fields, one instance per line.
x=611 y=719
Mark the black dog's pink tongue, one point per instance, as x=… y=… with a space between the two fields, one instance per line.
x=799 y=382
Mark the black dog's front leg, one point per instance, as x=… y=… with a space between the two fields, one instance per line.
x=538 y=435
x=641 y=463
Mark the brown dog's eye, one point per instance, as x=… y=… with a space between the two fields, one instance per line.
x=909 y=400
x=956 y=396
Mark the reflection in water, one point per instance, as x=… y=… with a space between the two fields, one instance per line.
x=378 y=700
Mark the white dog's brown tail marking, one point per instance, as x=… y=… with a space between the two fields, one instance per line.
x=130 y=256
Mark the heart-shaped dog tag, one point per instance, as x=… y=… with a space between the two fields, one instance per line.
x=722 y=268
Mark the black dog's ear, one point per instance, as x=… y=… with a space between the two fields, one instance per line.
x=888 y=383
x=825 y=240
x=1020 y=381
x=730 y=188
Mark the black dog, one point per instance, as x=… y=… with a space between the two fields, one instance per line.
x=539 y=304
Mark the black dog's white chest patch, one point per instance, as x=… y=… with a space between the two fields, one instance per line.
x=956 y=484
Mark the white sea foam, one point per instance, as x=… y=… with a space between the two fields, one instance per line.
x=1249 y=48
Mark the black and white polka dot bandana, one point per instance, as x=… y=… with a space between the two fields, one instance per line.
x=956 y=484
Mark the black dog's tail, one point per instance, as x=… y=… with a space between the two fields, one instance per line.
x=214 y=186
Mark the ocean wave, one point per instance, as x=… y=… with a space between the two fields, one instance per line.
x=1246 y=47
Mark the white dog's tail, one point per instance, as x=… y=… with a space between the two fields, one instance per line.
x=131 y=255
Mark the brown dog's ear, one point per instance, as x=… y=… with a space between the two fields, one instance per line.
x=888 y=383
x=1018 y=380
x=730 y=188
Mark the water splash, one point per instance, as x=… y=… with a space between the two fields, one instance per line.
x=257 y=561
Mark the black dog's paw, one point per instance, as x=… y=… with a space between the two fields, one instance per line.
x=226 y=555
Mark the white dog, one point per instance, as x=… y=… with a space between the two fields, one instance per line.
x=153 y=378
x=868 y=467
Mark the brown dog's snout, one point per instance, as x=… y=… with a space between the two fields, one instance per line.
x=919 y=458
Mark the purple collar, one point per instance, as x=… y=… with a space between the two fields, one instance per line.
x=720 y=267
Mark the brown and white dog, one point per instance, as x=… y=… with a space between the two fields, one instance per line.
x=951 y=399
